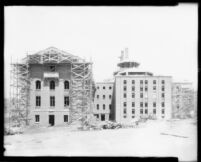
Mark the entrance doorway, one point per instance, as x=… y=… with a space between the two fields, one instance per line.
x=102 y=117
x=51 y=120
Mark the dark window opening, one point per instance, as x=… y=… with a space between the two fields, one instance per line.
x=37 y=118
x=52 y=100
x=38 y=84
x=65 y=118
x=146 y=111
x=66 y=84
x=103 y=106
x=52 y=85
x=66 y=101
x=38 y=100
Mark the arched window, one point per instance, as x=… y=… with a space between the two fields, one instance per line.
x=66 y=84
x=38 y=84
x=52 y=84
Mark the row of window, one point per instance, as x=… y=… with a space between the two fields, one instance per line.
x=97 y=106
x=52 y=101
x=145 y=88
x=37 y=118
x=146 y=81
x=141 y=95
x=145 y=104
x=110 y=96
x=145 y=111
x=52 y=85
x=133 y=95
x=104 y=87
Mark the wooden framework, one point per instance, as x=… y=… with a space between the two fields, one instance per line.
x=19 y=93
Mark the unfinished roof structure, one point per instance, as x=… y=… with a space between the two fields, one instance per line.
x=81 y=91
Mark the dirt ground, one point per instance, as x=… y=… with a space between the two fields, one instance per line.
x=175 y=138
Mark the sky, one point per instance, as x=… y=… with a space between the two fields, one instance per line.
x=162 y=39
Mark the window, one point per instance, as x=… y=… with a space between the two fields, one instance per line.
x=52 y=68
x=154 y=81
x=154 y=104
x=38 y=84
x=65 y=118
x=141 y=81
x=110 y=87
x=52 y=100
x=125 y=104
x=133 y=81
x=146 y=111
x=66 y=100
x=110 y=106
x=124 y=116
x=103 y=106
x=154 y=87
x=98 y=87
x=110 y=96
x=52 y=85
x=163 y=104
x=141 y=111
x=146 y=89
x=154 y=111
x=103 y=96
x=124 y=88
x=37 y=118
x=163 y=95
x=66 y=84
x=163 y=111
x=146 y=104
x=133 y=116
x=141 y=88
x=103 y=87
x=133 y=111
x=124 y=111
x=163 y=88
x=146 y=81
x=141 y=104
x=141 y=95
x=125 y=81
x=163 y=81
x=124 y=95
x=133 y=88
x=38 y=100
x=133 y=95
x=133 y=104
x=97 y=96
x=97 y=106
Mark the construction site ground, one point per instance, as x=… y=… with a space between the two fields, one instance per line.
x=174 y=138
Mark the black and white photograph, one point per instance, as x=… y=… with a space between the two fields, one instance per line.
x=92 y=81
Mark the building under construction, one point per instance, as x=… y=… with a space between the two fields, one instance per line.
x=51 y=87
x=183 y=100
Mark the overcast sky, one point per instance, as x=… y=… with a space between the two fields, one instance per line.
x=162 y=39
